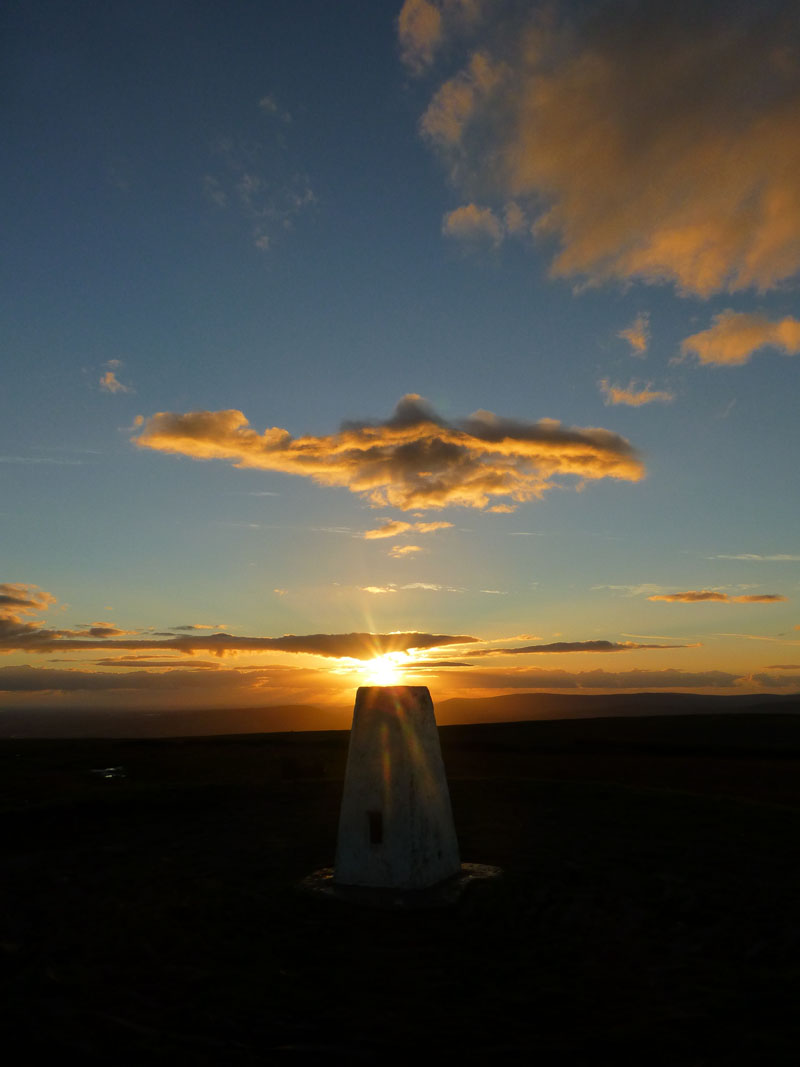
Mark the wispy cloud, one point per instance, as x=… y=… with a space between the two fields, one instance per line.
x=259 y=181
x=697 y=596
x=109 y=382
x=396 y=528
x=413 y=460
x=779 y=557
x=632 y=395
x=736 y=335
x=632 y=590
x=689 y=177
x=637 y=334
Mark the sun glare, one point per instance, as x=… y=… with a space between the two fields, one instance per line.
x=384 y=670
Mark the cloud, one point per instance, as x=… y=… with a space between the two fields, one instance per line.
x=31 y=638
x=633 y=397
x=43 y=679
x=20 y=598
x=632 y=590
x=259 y=181
x=396 y=527
x=783 y=667
x=649 y=139
x=111 y=384
x=533 y=678
x=192 y=627
x=574 y=646
x=148 y=661
x=736 y=335
x=778 y=558
x=413 y=460
x=473 y=223
x=694 y=596
x=422 y=26
x=419 y=28
x=400 y=551
x=268 y=105
x=637 y=334
x=778 y=681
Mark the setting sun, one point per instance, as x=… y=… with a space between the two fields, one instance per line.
x=385 y=670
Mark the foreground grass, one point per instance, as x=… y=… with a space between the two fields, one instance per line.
x=155 y=917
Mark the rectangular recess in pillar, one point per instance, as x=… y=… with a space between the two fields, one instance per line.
x=375 y=824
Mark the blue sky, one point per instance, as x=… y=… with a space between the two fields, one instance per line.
x=304 y=212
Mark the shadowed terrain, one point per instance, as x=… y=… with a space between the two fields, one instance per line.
x=648 y=912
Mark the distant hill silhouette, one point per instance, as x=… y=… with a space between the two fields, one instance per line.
x=515 y=707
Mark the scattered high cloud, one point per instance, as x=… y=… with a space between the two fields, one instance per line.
x=736 y=335
x=396 y=527
x=413 y=460
x=637 y=334
x=633 y=396
x=688 y=178
x=695 y=596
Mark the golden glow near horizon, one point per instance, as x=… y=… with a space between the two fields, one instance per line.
x=384 y=670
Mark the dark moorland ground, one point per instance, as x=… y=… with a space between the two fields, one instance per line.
x=649 y=914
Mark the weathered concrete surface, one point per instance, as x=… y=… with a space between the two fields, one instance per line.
x=396 y=825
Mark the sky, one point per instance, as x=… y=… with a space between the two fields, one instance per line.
x=448 y=342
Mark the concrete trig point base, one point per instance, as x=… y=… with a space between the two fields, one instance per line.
x=397 y=844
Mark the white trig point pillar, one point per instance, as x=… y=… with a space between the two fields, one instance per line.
x=397 y=844
x=396 y=826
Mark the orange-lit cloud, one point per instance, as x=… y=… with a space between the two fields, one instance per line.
x=400 y=551
x=396 y=527
x=110 y=383
x=637 y=334
x=736 y=335
x=413 y=460
x=473 y=223
x=649 y=140
x=422 y=26
x=633 y=396
x=21 y=598
x=695 y=596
